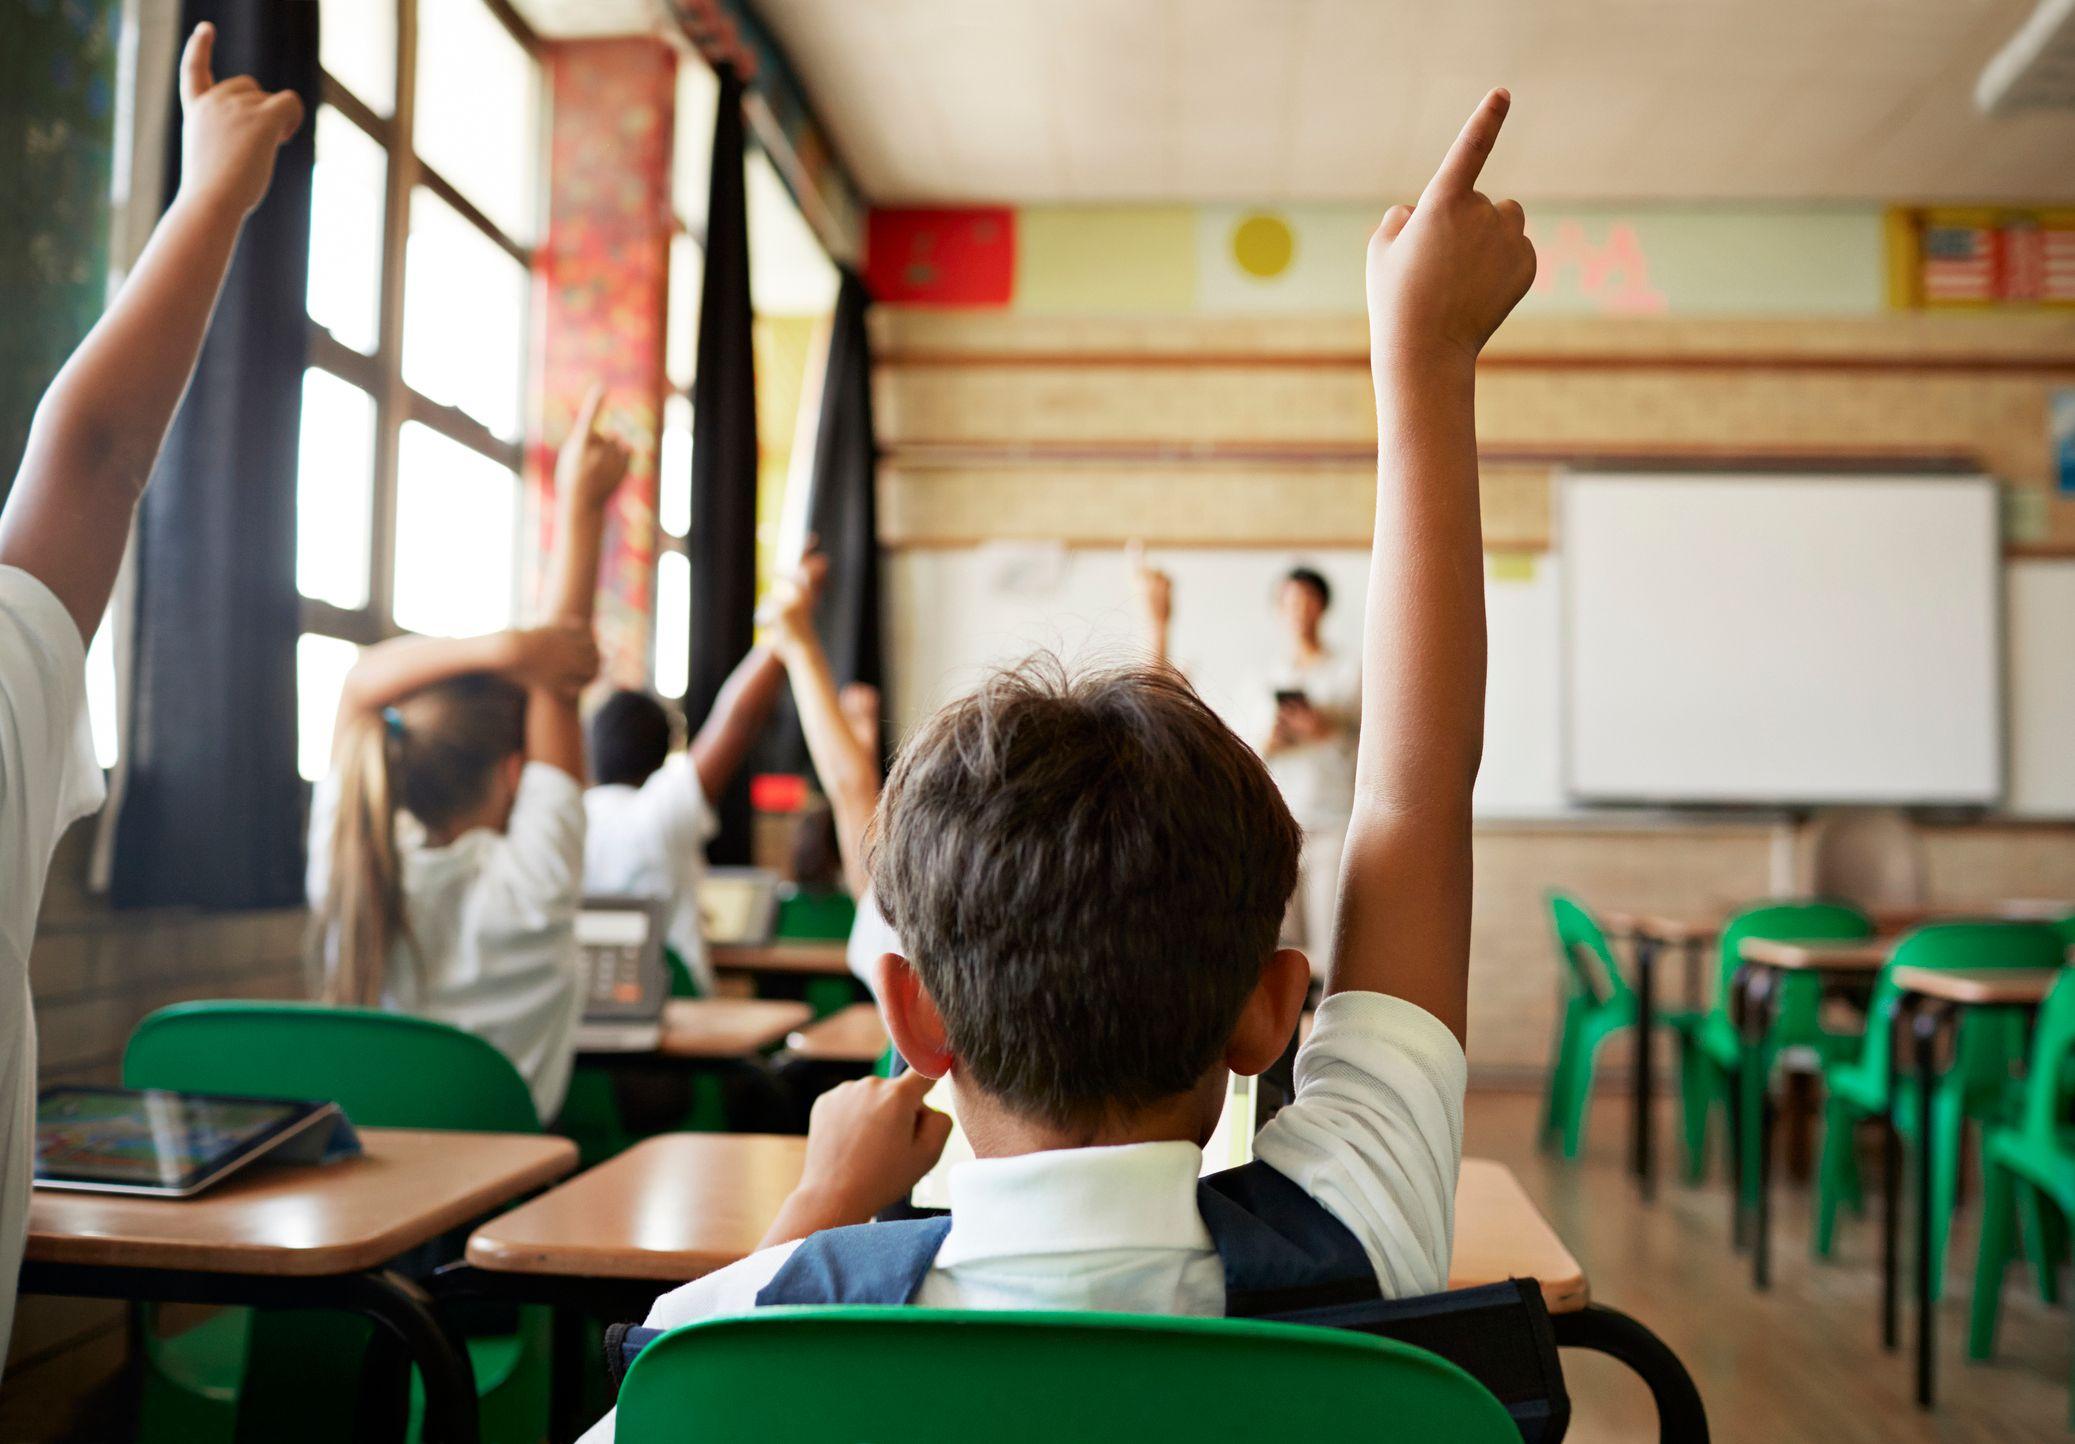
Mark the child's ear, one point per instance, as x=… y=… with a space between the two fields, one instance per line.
x=912 y=1018
x=1271 y=1013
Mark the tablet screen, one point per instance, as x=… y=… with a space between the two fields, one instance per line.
x=150 y=1139
x=1231 y=1142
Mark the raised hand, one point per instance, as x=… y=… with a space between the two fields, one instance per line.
x=1443 y=274
x=592 y=462
x=561 y=658
x=788 y=609
x=230 y=129
x=1155 y=588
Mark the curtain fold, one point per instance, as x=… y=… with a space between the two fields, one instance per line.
x=211 y=812
x=724 y=456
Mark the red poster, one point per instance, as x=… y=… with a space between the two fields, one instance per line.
x=942 y=257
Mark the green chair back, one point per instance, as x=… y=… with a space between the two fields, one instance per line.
x=386 y=1070
x=1037 y=1378
x=2049 y=1072
x=815 y=916
x=1959 y=945
x=1589 y=967
x=1800 y=998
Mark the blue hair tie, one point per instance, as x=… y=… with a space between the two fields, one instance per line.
x=393 y=720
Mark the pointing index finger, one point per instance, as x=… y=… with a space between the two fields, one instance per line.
x=586 y=421
x=1460 y=167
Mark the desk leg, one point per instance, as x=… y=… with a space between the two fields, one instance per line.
x=1681 y=1417
x=1924 y=1030
x=405 y=1310
x=1646 y=1016
x=1891 y=1188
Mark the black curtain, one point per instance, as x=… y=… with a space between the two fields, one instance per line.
x=211 y=803
x=724 y=457
x=845 y=518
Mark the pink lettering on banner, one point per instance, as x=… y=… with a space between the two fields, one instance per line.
x=1613 y=275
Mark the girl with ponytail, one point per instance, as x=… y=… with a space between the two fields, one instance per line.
x=447 y=843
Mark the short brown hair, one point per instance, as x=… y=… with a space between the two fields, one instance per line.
x=1089 y=873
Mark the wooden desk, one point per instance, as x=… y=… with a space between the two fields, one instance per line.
x=1647 y=933
x=1819 y=955
x=854 y=1035
x=1979 y=987
x=726 y=1028
x=284 y=1236
x=1676 y=929
x=816 y=959
x=676 y=1207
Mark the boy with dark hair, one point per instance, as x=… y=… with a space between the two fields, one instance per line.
x=650 y=813
x=1088 y=875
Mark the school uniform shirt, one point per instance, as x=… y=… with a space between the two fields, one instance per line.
x=871 y=938
x=650 y=841
x=1375 y=1135
x=1318 y=778
x=48 y=780
x=492 y=947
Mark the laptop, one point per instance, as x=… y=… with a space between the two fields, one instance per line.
x=619 y=943
x=738 y=905
x=1231 y=1142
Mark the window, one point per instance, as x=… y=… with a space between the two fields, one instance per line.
x=698 y=91
x=422 y=219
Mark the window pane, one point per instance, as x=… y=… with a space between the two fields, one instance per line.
x=456 y=514
x=674 y=468
x=475 y=118
x=681 y=334
x=464 y=317
x=357 y=48
x=673 y=623
x=346 y=198
x=334 y=490
x=789 y=273
x=321 y=665
x=100 y=692
x=698 y=93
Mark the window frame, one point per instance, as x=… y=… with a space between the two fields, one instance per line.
x=380 y=374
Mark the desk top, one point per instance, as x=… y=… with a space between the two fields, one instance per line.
x=1820 y=955
x=682 y=1205
x=1664 y=927
x=726 y=1027
x=821 y=959
x=1703 y=924
x=304 y=1221
x=850 y=1035
x=1980 y=986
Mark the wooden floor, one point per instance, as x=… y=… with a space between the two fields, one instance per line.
x=1801 y=1362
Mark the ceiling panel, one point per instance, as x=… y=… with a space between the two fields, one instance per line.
x=949 y=101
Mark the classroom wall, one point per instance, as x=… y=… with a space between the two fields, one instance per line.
x=1208 y=428
x=94 y=974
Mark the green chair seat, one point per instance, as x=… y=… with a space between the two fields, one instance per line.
x=1038 y=1378
x=297 y=1376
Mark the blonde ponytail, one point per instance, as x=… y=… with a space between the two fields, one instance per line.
x=363 y=915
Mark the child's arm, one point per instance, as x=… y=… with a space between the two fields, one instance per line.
x=98 y=430
x=557 y=659
x=1441 y=277
x=1155 y=599
x=848 y=769
x=738 y=715
x=587 y=472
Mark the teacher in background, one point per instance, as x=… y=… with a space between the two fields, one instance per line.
x=1309 y=742
x=1310 y=751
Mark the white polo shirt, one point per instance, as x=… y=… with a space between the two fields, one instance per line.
x=1375 y=1134
x=1318 y=778
x=650 y=841
x=493 y=926
x=48 y=780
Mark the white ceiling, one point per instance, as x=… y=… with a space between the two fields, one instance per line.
x=1197 y=100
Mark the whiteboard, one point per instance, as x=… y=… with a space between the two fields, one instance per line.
x=1781 y=639
x=951 y=614
x=2041 y=605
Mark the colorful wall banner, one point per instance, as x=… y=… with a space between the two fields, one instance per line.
x=942 y=257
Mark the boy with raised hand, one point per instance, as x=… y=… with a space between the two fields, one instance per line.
x=1089 y=875
x=96 y=436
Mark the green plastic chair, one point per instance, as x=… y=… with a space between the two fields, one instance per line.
x=2028 y=1164
x=1038 y=1378
x=297 y=1375
x=1598 y=1003
x=1978 y=1086
x=1714 y=1064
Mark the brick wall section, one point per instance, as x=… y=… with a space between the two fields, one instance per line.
x=94 y=973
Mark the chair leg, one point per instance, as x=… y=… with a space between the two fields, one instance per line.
x=1998 y=1219
x=1577 y=1097
x=1559 y=1081
x=2039 y=1227
x=1697 y=1091
x=1949 y=1125
x=1835 y=1175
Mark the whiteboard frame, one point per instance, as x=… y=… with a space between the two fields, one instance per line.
x=1898 y=473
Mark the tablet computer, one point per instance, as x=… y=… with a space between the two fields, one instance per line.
x=1231 y=1142
x=171 y=1145
x=738 y=905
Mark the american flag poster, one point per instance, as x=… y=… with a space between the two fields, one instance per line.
x=1960 y=264
x=1974 y=258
